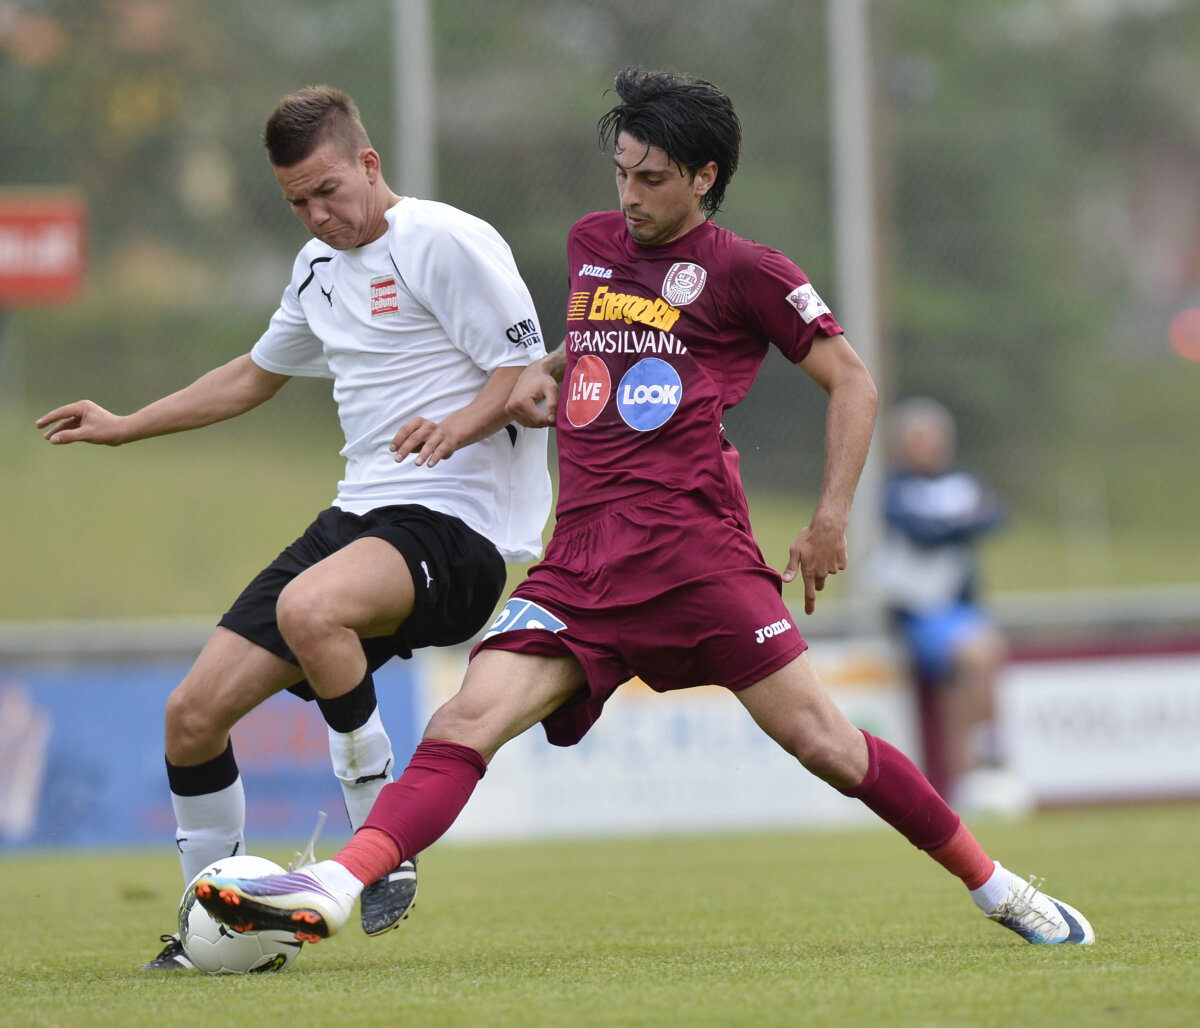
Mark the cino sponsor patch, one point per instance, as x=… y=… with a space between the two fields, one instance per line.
x=524 y=333
x=588 y=391
x=649 y=394
x=385 y=297
x=518 y=613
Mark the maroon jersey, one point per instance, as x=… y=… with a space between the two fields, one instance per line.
x=661 y=341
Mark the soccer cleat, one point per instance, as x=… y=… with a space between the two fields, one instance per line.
x=171 y=958
x=1039 y=918
x=297 y=902
x=386 y=903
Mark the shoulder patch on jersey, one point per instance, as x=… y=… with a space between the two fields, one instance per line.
x=684 y=282
x=524 y=333
x=808 y=302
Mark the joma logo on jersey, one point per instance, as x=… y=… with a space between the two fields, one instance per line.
x=609 y=306
x=385 y=298
x=773 y=629
x=523 y=333
x=594 y=271
x=649 y=393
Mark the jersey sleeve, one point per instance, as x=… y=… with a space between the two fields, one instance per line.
x=288 y=346
x=463 y=272
x=779 y=299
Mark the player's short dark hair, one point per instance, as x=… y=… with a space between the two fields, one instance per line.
x=309 y=117
x=692 y=120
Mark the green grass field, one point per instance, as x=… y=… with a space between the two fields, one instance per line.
x=825 y=928
x=176 y=526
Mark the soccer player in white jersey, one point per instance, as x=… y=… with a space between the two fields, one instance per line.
x=417 y=312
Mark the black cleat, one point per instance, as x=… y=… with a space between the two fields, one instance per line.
x=171 y=958
x=387 y=902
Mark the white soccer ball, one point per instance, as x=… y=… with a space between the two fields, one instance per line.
x=215 y=947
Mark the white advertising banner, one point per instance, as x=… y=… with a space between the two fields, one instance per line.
x=1105 y=729
x=691 y=760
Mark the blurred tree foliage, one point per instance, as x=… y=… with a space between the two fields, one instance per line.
x=1017 y=145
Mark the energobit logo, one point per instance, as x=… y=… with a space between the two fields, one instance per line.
x=773 y=629
x=577 y=306
x=610 y=306
x=649 y=394
x=588 y=391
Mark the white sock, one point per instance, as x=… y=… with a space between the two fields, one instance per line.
x=210 y=827
x=336 y=876
x=363 y=762
x=992 y=892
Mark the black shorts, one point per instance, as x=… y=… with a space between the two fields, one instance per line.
x=457 y=574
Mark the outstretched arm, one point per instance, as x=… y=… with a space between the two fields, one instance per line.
x=820 y=549
x=434 y=441
x=223 y=393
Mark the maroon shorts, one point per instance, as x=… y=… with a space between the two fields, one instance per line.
x=661 y=586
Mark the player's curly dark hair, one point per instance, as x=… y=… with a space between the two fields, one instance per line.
x=692 y=120
x=309 y=117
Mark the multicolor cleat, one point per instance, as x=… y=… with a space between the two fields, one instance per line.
x=1041 y=919
x=298 y=902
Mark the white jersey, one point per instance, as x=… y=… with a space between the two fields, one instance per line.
x=413 y=324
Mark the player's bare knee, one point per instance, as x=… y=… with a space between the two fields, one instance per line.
x=469 y=724
x=194 y=731
x=830 y=757
x=302 y=621
x=453 y=721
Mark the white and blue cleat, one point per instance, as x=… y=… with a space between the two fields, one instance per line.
x=1041 y=919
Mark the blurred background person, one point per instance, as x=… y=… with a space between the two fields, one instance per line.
x=935 y=514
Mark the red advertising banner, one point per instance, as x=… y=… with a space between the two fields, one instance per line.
x=43 y=247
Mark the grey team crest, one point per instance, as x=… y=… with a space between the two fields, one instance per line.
x=684 y=282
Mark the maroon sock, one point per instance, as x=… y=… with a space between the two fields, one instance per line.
x=895 y=789
x=418 y=808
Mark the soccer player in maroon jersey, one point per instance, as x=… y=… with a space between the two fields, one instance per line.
x=652 y=569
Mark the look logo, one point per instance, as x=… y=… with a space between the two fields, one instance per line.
x=588 y=390
x=649 y=394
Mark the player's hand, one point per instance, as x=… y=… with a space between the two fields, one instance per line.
x=429 y=440
x=534 y=399
x=82 y=422
x=818 y=552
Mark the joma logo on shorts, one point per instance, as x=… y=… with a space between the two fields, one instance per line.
x=773 y=629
